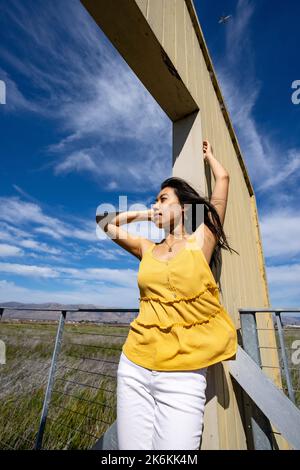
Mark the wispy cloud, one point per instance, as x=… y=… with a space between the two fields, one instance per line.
x=88 y=293
x=77 y=78
x=126 y=277
x=38 y=246
x=15 y=99
x=9 y=250
x=277 y=227
x=28 y=270
x=270 y=165
x=284 y=285
x=73 y=238
x=15 y=211
x=23 y=193
x=77 y=161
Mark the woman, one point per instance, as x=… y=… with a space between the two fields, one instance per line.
x=181 y=328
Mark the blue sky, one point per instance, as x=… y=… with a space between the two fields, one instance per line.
x=79 y=129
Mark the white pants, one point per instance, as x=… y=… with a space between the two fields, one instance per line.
x=159 y=409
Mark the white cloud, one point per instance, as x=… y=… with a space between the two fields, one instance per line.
x=125 y=277
x=284 y=285
x=116 y=296
x=280 y=232
x=28 y=270
x=13 y=210
x=47 y=231
x=7 y=231
x=15 y=100
x=38 y=246
x=10 y=250
x=77 y=161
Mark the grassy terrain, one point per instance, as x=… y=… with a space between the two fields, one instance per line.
x=83 y=402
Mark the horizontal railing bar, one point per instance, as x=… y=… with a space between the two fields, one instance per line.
x=270 y=310
x=91 y=359
x=94 y=346
x=279 y=347
x=276 y=367
x=70 y=310
x=83 y=399
x=275 y=328
x=78 y=413
x=93 y=334
x=84 y=385
x=88 y=371
x=102 y=421
x=41 y=309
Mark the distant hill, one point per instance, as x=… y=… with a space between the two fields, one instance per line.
x=290 y=319
x=51 y=315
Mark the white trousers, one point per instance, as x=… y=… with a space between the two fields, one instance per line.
x=159 y=409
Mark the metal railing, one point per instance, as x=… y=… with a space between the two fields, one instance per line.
x=285 y=337
x=73 y=389
x=251 y=344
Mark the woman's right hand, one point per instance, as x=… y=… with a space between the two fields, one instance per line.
x=151 y=214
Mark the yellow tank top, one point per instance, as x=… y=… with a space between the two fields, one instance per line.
x=181 y=323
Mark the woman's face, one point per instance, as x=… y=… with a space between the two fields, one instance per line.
x=167 y=209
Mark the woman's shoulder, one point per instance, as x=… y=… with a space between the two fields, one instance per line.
x=146 y=245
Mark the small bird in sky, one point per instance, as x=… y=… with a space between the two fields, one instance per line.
x=224 y=18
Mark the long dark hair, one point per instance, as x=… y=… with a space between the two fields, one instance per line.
x=187 y=195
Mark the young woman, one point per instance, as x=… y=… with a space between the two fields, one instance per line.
x=181 y=328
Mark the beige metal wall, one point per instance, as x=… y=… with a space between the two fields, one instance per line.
x=171 y=59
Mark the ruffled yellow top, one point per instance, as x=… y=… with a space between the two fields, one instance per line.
x=181 y=323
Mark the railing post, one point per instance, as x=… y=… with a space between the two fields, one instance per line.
x=57 y=347
x=284 y=358
x=261 y=428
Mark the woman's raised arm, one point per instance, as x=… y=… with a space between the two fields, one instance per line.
x=220 y=192
x=110 y=224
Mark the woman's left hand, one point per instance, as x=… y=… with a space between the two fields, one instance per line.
x=207 y=150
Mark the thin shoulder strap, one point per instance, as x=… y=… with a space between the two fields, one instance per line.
x=149 y=249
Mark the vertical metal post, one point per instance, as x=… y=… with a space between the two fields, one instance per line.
x=284 y=357
x=57 y=347
x=261 y=428
x=250 y=338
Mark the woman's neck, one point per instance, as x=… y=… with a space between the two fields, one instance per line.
x=178 y=233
